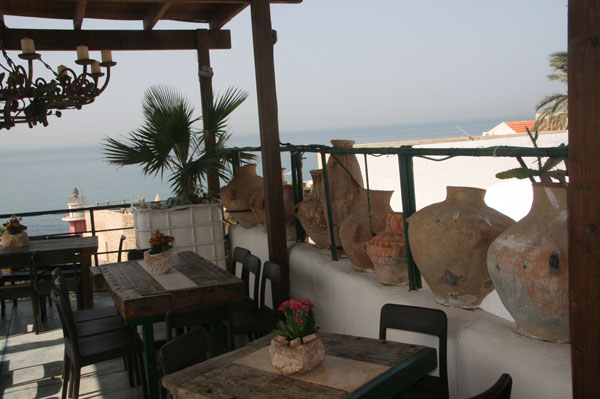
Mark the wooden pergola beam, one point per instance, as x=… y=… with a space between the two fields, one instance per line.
x=67 y=40
x=584 y=195
x=155 y=14
x=79 y=14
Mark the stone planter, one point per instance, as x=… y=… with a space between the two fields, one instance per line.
x=15 y=240
x=311 y=213
x=162 y=262
x=449 y=242
x=528 y=264
x=345 y=185
x=360 y=227
x=297 y=356
x=387 y=251
x=236 y=195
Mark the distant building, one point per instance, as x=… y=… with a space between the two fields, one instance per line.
x=517 y=127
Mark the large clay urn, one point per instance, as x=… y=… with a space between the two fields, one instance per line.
x=236 y=195
x=345 y=184
x=387 y=251
x=449 y=242
x=259 y=208
x=529 y=266
x=311 y=213
x=361 y=226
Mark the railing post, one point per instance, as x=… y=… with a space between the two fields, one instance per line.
x=93 y=231
x=296 y=160
x=235 y=160
x=329 y=211
x=407 y=186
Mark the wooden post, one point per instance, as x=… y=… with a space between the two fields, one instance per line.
x=206 y=96
x=269 y=136
x=584 y=195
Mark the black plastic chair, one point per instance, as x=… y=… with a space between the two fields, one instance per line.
x=251 y=265
x=84 y=351
x=258 y=323
x=425 y=321
x=119 y=253
x=17 y=283
x=237 y=256
x=210 y=317
x=500 y=390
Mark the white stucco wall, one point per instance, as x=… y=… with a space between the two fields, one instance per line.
x=481 y=346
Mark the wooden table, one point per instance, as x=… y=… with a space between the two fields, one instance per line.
x=85 y=246
x=234 y=375
x=142 y=300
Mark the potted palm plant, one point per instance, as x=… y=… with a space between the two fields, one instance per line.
x=168 y=142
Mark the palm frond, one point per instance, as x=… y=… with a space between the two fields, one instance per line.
x=217 y=112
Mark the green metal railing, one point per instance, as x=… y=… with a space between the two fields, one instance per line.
x=406 y=155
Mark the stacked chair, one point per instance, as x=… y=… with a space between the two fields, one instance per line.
x=90 y=340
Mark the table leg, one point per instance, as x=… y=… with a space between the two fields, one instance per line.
x=87 y=291
x=150 y=360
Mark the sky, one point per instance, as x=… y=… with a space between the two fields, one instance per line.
x=338 y=64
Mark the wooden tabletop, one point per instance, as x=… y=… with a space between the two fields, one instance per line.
x=139 y=294
x=12 y=257
x=224 y=378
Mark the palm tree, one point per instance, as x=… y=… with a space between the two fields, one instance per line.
x=554 y=108
x=167 y=141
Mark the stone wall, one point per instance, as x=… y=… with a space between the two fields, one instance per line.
x=109 y=240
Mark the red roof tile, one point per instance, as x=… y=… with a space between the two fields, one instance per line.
x=520 y=126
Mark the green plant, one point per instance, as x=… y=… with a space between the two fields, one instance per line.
x=160 y=242
x=168 y=141
x=299 y=319
x=13 y=226
x=545 y=170
x=554 y=108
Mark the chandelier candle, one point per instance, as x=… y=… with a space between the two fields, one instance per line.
x=96 y=68
x=82 y=53
x=106 y=56
x=27 y=46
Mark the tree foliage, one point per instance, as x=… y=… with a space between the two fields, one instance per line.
x=554 y=108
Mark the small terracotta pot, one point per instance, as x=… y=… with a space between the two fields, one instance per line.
x=387 y=251
x=236 y=195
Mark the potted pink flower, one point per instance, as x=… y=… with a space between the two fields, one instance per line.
x=296 y=347
x=13 y=234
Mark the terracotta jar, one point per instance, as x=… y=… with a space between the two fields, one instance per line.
x=15 y=240
x=236 y=195
x=387 y=251
x=259 y=208
x=345 y=184
x=311 y=213
x=449 y=242
x=360 y=227
x=528 y=264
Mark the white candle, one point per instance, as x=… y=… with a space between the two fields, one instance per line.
x=82 y=53
x=106 y=56
x=62 y=70
x=95 y=67
x=27 y=46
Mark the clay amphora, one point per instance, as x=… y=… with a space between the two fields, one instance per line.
x=360 y=227
x=236 y=195
x=449 y=241
x=311 y=213
x=387 y=251
x=528 y=264
x=345 y=184
x=258 y=207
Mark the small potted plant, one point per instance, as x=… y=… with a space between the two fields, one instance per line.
x=14 y=235
x=296 y=347
x=161 y=257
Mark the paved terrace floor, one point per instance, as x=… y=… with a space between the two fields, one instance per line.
x=31 y=364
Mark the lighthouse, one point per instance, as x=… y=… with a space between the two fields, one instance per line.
x=76 y=219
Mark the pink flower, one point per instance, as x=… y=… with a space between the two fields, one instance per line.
x=298 y=320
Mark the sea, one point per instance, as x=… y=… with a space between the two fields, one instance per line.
x=42 y=179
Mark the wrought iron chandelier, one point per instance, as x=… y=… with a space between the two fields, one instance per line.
x=26 y=99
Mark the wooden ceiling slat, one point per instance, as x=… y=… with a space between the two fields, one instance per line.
x=66 y=40
x=225 y=14
x=79 y=14
x=154 y=15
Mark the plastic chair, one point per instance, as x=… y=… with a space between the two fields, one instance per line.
x=500 y=390
x=258 y=323
x=425 y=321
x=84 y=351
x=251 y=265
x=120 y=247
x=207 y=316
x=237 y=256
x=17 y=283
